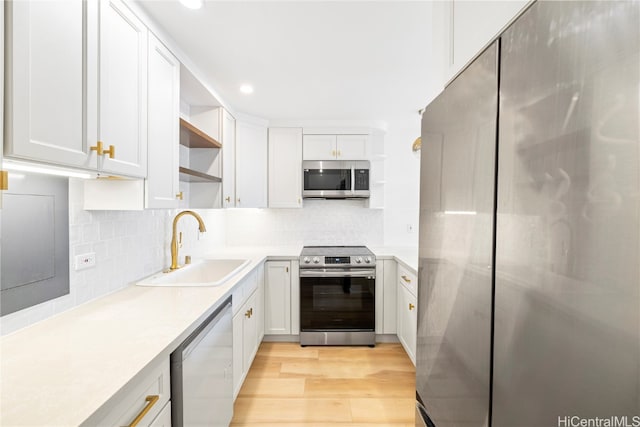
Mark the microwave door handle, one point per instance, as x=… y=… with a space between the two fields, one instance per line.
x=353 y=179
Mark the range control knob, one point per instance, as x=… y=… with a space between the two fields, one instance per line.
x=306 y=260
x=316 y=260
x=358 y=260
x=368 y=260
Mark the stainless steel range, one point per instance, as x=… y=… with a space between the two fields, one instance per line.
x=337 y=295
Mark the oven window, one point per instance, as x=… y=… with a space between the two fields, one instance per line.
x=327 y=179
x=337 y=303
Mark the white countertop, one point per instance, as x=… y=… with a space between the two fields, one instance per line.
x=405 y=255
x=60 y=371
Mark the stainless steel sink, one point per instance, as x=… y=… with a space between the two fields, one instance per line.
x=210 y=272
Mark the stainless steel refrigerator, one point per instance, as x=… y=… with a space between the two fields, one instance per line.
x=529 y=275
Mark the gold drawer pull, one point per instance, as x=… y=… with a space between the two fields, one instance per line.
x=228 y=199
x=411 y=306
x=179 y=195
x=248 y=314
x=151 y=400
x=406 y=279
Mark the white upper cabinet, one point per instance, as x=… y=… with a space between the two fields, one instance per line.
x=162 y=186
x=77 y=85
x=251 y=165
x=122 y=90
x=319 y=147
x=44 y=82
x=462 y=28
x=228 y=159
x=335 y=147
x=285 y=167
x=352 y=147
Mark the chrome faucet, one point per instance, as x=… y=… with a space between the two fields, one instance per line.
x=174 y=241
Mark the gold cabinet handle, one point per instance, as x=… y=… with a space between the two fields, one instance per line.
x=151 y=400
x=333 y=153
x=97 y=148
x=339 y=153
x=228 y=199
x=411 y=306
x=286 y=269
x=247 y=314
x=251 y=312
x=4 y=180
x=179 y=195
x=406 y=279
x=111 y=151
x=238 y=200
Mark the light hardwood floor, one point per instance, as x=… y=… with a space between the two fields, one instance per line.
x=289 y=385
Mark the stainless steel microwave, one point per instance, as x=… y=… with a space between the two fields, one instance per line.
x=335 y=179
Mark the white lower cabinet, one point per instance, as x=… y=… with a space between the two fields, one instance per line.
x=407 y=312
x=248 y=326
x=277 y=298
x=150 y=390
x=164 y=417
x=386 y=296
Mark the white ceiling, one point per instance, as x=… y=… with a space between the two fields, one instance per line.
x=308 y=60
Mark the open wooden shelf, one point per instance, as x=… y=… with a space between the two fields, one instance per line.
x=192 y=137
x=190 y=175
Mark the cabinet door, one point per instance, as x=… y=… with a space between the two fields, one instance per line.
x=251 y=165
x=123 y=90
x=164 y=113
x=228 y=160
x=285 y=167
x=390 y=292
x=249 y=333
x=407 y=321
x=44 y=82
x=260 y=305
x=164 y=417
x=319 y=147
x=352 y=147
x=277 y=298
x=238 y=351
x=462 y=28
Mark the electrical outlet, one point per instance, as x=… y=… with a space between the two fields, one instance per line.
x=87 y=260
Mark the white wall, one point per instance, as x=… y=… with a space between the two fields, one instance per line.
x=402 y=189
x=129 y=245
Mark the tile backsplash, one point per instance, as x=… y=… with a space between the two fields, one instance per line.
x=130 y=245
x=320 y=222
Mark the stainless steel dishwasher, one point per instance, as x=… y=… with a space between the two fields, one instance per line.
x=201 y=373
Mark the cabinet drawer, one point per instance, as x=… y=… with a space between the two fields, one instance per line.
x=407 y=278
x=151 y=391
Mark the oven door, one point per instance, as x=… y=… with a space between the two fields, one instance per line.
x=336 y=299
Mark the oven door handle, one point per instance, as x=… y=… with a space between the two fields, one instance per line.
x=325 y=272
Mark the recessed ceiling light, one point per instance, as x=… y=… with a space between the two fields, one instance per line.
x=246 y=89
x=192 y=4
